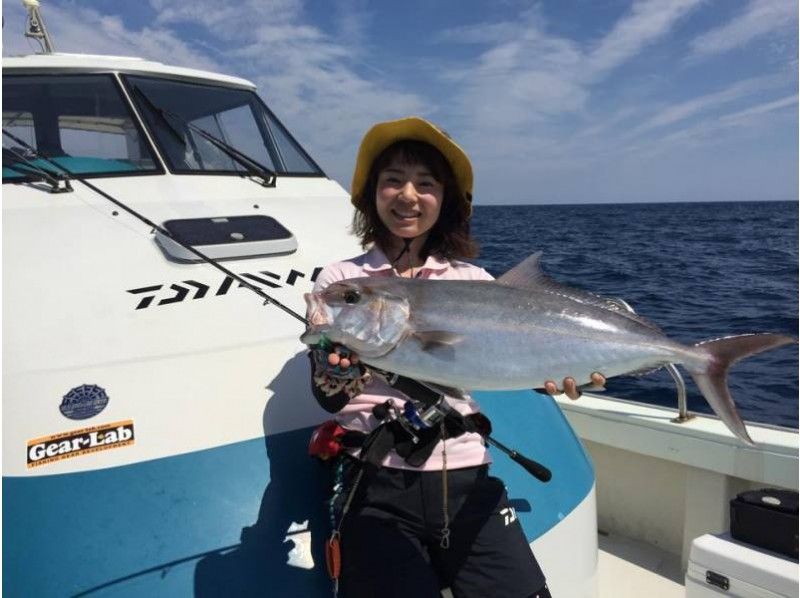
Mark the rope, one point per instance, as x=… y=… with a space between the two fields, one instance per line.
x=445 y=541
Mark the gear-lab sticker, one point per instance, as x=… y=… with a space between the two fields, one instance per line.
x=79 y=442
x=83 y=402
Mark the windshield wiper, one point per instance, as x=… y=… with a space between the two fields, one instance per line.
x=25 y=166
x=161 y=113
x=251 y=166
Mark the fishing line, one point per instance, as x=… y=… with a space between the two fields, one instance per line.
x=243 y=282
x=114 y=216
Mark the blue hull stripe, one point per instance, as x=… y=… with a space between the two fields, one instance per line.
x=214 y=522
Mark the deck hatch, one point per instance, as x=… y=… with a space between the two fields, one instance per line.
x=226 y=237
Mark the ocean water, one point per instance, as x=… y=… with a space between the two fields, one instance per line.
x=698 y=270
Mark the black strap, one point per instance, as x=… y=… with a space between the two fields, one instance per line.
x=415 y=450
x=412 y=388
x=377 y=445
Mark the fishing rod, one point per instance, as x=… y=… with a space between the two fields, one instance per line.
x=71 y=175
x=536 y=469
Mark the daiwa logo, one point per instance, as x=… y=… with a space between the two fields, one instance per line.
x=79 y=442
x=192 y=289
x=509 y=515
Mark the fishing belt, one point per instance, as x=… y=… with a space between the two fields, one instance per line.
x=412 y=432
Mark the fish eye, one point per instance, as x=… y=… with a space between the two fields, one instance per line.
x=351 y=296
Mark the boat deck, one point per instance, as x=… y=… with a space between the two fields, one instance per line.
x=631 y=569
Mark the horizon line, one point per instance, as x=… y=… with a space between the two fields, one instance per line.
x=629 y=203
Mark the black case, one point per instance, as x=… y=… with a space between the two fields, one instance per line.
x=766 y=518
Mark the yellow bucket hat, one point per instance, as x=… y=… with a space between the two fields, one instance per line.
x=384 y=134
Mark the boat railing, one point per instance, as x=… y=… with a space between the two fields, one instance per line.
x=683 y=408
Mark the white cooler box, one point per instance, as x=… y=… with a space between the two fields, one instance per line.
x=722 y=566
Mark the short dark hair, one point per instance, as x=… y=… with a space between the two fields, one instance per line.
x=450 y=236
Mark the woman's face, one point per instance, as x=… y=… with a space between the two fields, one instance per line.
x=408 y=199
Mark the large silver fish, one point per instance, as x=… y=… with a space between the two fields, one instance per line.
x=514 y=333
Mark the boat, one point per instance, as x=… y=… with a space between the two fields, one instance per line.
x=160 y=226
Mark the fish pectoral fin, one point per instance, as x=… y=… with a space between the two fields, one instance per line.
x=592 y=387
x=431 y=339
x=645 y=371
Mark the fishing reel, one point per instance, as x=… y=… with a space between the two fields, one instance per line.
x=414 y=417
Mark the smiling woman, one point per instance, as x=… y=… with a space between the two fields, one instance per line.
x=414 y=509
x=408 y=200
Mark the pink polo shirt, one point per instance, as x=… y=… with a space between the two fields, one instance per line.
x=467 y=450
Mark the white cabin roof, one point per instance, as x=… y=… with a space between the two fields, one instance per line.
x=88 y=63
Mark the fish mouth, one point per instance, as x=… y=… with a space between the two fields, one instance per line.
x=319 y=319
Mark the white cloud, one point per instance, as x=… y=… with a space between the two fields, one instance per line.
x=704 y=103
x=527 y=78
x=761 y=17
x=645 y=24
x=749 y=114
x=710 y=130
x=233 y=20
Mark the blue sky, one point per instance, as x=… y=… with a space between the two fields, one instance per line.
x=556 y=101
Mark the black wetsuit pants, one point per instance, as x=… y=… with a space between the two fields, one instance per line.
x=391 y=537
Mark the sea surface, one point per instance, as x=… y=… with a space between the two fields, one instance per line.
x=698 y=270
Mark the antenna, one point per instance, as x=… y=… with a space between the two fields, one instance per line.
x=34 y=26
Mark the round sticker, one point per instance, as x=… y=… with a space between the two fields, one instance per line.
x=84 y=402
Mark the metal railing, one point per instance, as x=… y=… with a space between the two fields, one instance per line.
x=683 y=408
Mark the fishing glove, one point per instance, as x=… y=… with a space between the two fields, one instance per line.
x=333 y=379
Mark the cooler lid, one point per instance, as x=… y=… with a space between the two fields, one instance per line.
x=764 y=569
x=775 y=499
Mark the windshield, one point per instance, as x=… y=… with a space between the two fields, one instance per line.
x=236 y=116
x=80 y=121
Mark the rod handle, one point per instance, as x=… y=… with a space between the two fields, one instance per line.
x=536 y=469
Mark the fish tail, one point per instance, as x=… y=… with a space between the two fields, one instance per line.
x=711 y=372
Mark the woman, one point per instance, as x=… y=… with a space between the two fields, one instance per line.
x=415 y=514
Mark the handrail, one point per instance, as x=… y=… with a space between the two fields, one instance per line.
x=683 y=408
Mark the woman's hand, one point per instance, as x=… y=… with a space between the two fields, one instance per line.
x=342 y=357
x=337 y=370
x=570 y=388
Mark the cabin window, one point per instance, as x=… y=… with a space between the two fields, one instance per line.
x=80 y=121
x=175 y=110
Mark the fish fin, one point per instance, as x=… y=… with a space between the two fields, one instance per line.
x=649 y=369
x=450 y=391
x=528 y=274
x=592 y=388
x=712 y=377
x=431 y=339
